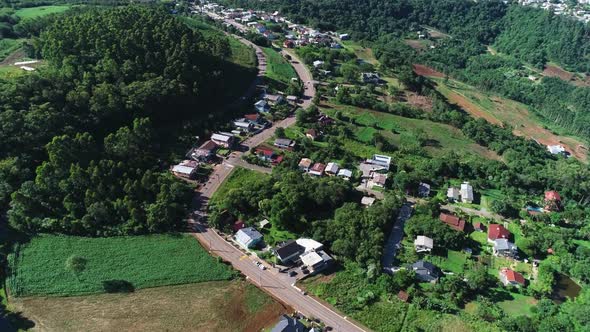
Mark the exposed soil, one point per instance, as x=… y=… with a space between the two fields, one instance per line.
x=12 y=58
x=419 y=101
x=415 y=44
x=423 y=70
x=555 y=71
x=471 y=108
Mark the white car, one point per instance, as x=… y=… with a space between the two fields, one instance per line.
x=262 y=267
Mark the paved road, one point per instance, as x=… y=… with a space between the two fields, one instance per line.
x=305 y=76
x=396 y=235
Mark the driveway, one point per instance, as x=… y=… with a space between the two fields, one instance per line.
x=395 y=237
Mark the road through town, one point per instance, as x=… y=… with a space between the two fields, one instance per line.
x=279 y=285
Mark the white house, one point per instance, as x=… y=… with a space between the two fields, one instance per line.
x=381 y=160
x=345 y=173
x=453 y=194
x=466 y=192
x=423 y=244
x=331 y=169
x=248 y=237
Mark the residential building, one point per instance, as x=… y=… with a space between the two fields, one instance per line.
x=292 y=100
x=380 y=160
x=332 y=169
x=426 y=271
x=262 y=224
x=479 y=227
x=288 y=252
x=268 y=155
x=184 y=171
x=205 y=152
x=318 y=63
x=423 y=189
x=505 y=248
x=367 y=201
x=309 y=244
x=423 y=244
x=496 y=231
x=378 y=180
x=368 y=169
x=224 y=140
x=262 y=106
x=466 y=192
x=344 y=36
x=509 y=277
x=274 y=99
x=316 y=260
x=239 y=224
x=284 y=143
x=243 y=125
x=305 y=164
x=454 y=222
x=254 y=118
x=370 y=78
x=289 y=324
x=312 y=134
x=556 y=149
x=317 y=169
x=288 y=44
x=248 y=237
x=552 y=201
x=453 y=194
x=345 y=173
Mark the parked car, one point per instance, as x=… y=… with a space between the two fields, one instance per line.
x=292 y=273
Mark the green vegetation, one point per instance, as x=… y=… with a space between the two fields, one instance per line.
x=119 y=264
x=277 y=68
x=34 y=12
x=8 y=46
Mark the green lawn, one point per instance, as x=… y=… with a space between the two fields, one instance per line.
x=33 y=12
x=277 y=68
x=272 y=235
x=582 y=243
x=519 y=305
x=454 y=262
x=481 y=237
x=39 y=267
x=238 y=179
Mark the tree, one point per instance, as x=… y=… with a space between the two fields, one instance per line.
x=76 y=265
x=280 y=132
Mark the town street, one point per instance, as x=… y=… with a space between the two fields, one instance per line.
x=279 y=285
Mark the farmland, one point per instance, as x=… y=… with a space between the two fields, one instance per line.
x=111 y=264
x=33 y=12
x=208 y=306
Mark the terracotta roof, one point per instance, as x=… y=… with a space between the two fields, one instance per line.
x=403 y=296
x=496 y=231
x=454 y=222
x=251 y=117
x=318 y=167
x=478 y=225
x=552 y=196
x=208 y=145
x=513 y=276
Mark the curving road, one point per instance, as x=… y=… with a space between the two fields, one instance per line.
x=279 y=285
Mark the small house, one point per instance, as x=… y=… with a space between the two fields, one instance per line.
x=309 y=244
x=423 y=244
x=288 y=252
x=184 y=171
x=248 y=237
x=380 y=160
x=509 y=277
x=316 y=260
x=479 y=227
x=345 y=173
x=454 y=222
x=367 y=201
x=552 y=201
x=556 y=149
x=292 y=99
x=243 y=125
x=496 y=231
x=284 y=143
x=369 y=169
x=505 y=248
x=423 y=189
x=378 y=180
x=318 y=63
x=466 y=192
x=426 y=271
x=288 y=44
x=227 y=141
x=253 y=118
x=312 y=134
x=453 y=194
x=317 y=169
x=206 y=151
x=370 y=78
x=262 y=106
x=274 y=99
x=289 y=324
x=344 y=36
x=305 y=164
x=332 y=169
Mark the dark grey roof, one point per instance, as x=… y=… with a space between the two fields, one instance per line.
x=289 y=248
x=288 y=324
x=426 y=270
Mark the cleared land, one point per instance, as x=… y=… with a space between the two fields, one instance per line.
x=33 y=12
x=442 y=138
x=112 y=264
x=209 y=306
x=500 y=111
x=277 y=68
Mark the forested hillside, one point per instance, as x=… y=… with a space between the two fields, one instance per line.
x=82 y=142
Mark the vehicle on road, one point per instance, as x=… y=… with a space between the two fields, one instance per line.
x=262 y=267
x=292 y=273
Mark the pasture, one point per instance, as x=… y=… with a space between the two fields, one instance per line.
x=117 y=264
x=33 y=12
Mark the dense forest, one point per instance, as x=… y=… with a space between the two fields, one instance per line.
x=79 y=151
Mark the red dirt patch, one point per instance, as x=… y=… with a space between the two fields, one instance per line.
x=554 y=71
x=421 y=102
x=423 y=70
x=415 y=44
x=471 y=108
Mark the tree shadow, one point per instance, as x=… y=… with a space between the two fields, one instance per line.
x=118 y=286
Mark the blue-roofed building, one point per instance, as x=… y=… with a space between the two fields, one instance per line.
x=248 y=237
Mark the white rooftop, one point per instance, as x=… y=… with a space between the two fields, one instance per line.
x=311 y=258
x=368 y=201
x=425 y=241
x=219 y=137
x=555 y=149
x=309 y=244
x=183 y=169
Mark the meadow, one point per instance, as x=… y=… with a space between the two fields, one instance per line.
x=117 y=264
x=33 y=12
x=277 y=68
x=237 y=179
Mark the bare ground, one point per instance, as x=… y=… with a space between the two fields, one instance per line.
x=423 y=70
x=210 y=306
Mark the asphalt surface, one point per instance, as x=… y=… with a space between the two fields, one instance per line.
x=396 y=235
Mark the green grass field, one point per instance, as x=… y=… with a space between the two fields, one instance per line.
x=39 y=267
x=454 y=262
x=519 y=305
x=33 y=12
x=278 y=68
x=8 y=46
x=238 y=178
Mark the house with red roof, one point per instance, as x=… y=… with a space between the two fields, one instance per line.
x=454 y=222
x=497 y=231
x=268 y=155
x=317 y=169
x=552 y=201
x=509 y=277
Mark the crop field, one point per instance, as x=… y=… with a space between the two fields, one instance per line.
x=33 y=12
x=498 y=110
x=118 y=264
x=443 y=138
x=209 y=306
x=278 y=68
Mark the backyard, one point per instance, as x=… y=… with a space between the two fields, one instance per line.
x=118 y=264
